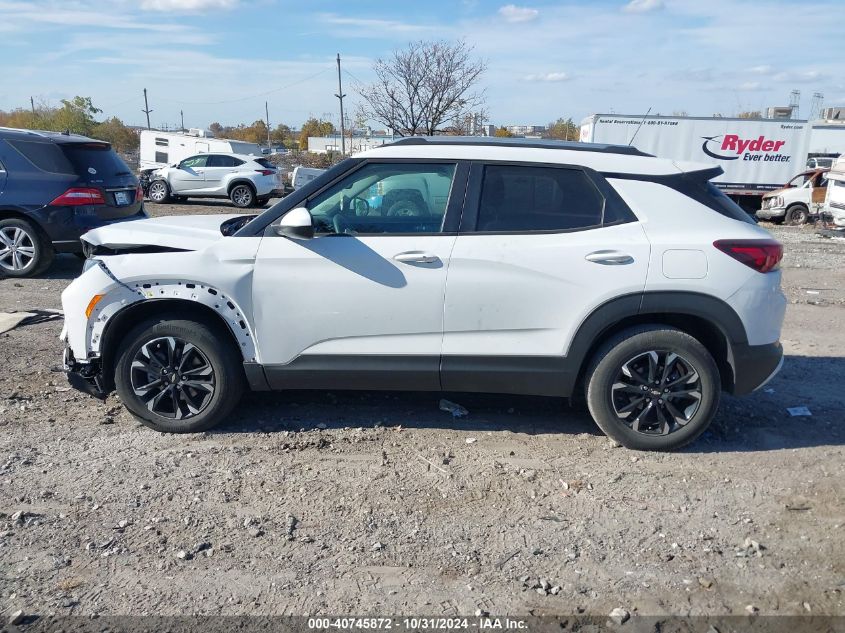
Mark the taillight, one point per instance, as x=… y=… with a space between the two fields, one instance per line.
x=266 y=172
x=79 y=196
x=761 y=255
x=139 y=194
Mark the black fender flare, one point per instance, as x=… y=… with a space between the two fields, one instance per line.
x=637 y=308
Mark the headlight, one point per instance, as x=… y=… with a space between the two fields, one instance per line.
x=89 y=263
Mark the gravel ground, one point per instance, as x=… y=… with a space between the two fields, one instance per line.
x=371 y=503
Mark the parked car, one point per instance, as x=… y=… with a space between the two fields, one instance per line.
x=820 y=162
x=303 y=175
x=245 y=180
x=53 y=188
x=798 y=200
x=572 y=268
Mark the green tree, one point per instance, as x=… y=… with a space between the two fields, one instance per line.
x=564 y=129
x=76 y=116
x=283 y=135
x=121 y=137
x=314 y=127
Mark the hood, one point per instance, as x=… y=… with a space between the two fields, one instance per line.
x=180 y=232
x=776 y=192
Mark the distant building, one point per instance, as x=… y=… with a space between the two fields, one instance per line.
x=526 y=130
x=354 y=145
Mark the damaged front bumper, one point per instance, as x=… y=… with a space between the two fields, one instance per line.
x=86 y=377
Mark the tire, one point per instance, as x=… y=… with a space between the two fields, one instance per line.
x=242 y=196
x=193 y=408
x=24 y=250
x=796 y=215
x=159 y=192
x=664 y=423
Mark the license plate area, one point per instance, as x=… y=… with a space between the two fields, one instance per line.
x=123 y=198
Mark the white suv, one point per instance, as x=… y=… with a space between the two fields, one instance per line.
x=444 y=264
x=245 y=180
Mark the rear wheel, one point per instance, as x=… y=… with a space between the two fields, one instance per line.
x=24 y=252
x=242 y=196
x=653 y=388
x=158 y=192
x=797 y=214
x=178 y=376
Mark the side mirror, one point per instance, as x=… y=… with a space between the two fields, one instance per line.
x=297 y=224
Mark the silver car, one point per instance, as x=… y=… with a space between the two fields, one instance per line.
x=246 y=180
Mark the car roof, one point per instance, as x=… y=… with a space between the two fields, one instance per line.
x=232 y=154
x=603 y=158
x=56 y=137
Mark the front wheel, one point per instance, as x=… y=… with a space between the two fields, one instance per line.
x=158 y=192
x=178 y=376
x=653 y=388
x=242 y=196
x=797 y=214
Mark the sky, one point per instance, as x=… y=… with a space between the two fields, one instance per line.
x=219 y=60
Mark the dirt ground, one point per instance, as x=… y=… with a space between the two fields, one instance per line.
x=372 y=503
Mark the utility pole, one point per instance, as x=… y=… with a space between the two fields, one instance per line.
x=32 y=102
x=340 y=97
x=182 y=115
x=267 y=116
x=146 y=109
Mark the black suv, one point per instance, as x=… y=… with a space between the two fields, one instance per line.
x=53 y=188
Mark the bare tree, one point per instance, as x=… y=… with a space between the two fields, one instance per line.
x=424 y=87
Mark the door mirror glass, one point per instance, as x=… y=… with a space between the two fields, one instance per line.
x=296 y=224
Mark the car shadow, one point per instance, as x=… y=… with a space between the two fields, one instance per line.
x=355 y=256
x=753 y=423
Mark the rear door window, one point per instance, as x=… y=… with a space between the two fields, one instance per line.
x=215 y=160
x=94 y=159
x=45 y=156
x=521 y=198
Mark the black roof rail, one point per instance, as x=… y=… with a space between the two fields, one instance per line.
x=520 y=142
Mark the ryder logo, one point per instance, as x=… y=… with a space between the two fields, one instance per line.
x=732 y=147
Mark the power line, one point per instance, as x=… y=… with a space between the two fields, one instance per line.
x=260 y=94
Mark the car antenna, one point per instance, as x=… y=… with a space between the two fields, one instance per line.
x=638 y=128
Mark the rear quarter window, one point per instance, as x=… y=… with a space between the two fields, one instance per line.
x=45 y=156
x=98 y=157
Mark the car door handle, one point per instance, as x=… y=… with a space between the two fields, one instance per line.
x=416 y=257
x=609 y=258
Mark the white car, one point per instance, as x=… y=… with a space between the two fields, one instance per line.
x=245 y=180
x=522 y=267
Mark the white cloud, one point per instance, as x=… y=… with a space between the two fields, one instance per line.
x=558 y=76
x=513 y=13
x=187 y=5
x=643 y=6
x=372 y=26
x=751 y=86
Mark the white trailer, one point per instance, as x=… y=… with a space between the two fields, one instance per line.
x=827 y=141
x=163 y=149
x=757 y=155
